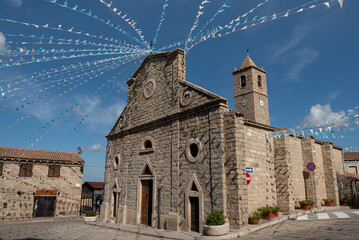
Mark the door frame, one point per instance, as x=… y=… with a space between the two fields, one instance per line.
x=140 y=178
x=199 y=194
x=45 y=196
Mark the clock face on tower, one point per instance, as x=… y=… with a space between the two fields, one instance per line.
x=244 y=102
x=261 y=103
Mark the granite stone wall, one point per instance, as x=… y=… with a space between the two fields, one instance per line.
x=18 y=192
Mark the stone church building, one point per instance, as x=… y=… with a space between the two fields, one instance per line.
x=177 y=153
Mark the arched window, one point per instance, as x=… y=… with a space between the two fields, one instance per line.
x=259 y=81
x=148 y=144
x=243 y=81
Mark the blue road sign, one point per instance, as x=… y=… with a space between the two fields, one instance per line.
x=249 y=169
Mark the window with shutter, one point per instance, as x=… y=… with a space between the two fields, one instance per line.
x=54 y=171
x=25 y=170
x=1 y=168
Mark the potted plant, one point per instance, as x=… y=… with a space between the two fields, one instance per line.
x=275 y=210
x=254 y=218
x=344 y=202
x=329 y=202
x=269 y=212
x=90 y=216
x=216 y=225
x=306 y=204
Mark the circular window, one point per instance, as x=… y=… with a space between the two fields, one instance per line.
x=194 y=150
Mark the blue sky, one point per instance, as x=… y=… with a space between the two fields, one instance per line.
x=311 y=58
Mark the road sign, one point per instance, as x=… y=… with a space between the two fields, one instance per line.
x=249 y=169
x=248 y=178
x=311 y=166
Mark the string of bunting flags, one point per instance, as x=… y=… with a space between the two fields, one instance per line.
x=334 y=127
x=130 y=21
x=163 y=15
x=91 y=14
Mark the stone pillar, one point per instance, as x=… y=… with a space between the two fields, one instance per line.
x=283 y=171
x=173 y=216
x=331 y=183
x=309 y=155
x=235 y=159
x=216 y=158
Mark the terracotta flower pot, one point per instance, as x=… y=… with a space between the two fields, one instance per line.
x=306 y=206
x=276 y=214
x=346 y=204
x=330 y=204
x=253 y=221
x=268 y=216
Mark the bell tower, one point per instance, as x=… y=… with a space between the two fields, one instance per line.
x=250 y=92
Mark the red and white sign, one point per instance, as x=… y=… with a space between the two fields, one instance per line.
x=248 y=178
x=311 y=166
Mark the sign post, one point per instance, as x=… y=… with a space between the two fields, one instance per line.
x=311 y=167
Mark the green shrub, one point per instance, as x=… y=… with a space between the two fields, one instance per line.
x=345 y=200
x=306 y=202
x=91 y=214
x=328 y=200
x=268 y=209
x=215 y=219
x=255 y=215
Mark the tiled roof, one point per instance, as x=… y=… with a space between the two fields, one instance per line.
x=39 y=155
x=351 y=155
x=248 y=62
x=95 y=185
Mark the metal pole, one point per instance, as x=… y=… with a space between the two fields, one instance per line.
x=313 y=186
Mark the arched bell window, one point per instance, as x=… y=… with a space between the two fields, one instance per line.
x=259 y=81
x=243 y=81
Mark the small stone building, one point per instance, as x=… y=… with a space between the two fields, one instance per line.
x=177 y=153
x=351 y=162
x=38 y=183
x=92 y=195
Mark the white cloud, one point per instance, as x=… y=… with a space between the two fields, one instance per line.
x=303 y=58
x=299 y=33
x=334 y=95
x=323 y=115
x=16 y=3
x=2 y=42
x=96 y=148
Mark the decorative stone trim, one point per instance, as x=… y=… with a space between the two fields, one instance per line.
x=149 y=88
x=117 y=161
x=122 y=121
x=185 y=97
x=194 y=150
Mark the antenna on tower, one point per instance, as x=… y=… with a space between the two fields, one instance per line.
x=247 y=52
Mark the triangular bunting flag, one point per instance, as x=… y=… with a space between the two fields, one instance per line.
x=341 y=3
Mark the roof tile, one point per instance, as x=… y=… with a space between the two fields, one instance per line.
x=40 y=155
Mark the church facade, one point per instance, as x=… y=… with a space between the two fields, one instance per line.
x=177 y=153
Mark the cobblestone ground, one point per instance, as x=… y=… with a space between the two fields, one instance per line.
x=63 y=230
x=321 y=229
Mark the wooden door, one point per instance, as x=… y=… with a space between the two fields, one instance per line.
x=146 y=202
x=194 y=201
x=44 y=206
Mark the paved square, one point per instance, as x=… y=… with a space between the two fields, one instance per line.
x=64 y=230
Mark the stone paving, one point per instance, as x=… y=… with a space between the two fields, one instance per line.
x=333 y=228
x=72 y=229
x=322 y=229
